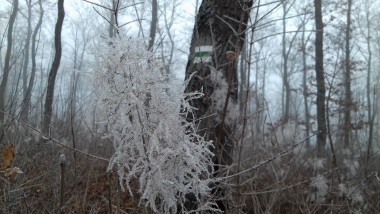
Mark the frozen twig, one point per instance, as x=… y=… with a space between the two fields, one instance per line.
x=281 y=154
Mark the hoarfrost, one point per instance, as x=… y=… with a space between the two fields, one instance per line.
x=153 y=140
x=319 y=184
x=316 y=163
x=352 y=166
x=219 y=98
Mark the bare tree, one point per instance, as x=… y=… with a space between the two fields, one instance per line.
x=169 y=17
x=320 y=77
x=29 y=87
x=217 y=41
x=285 y=56
x=26 y=58
x=305 y=89
x=4 y=81
x=112 y=29
x=153 y=24
x=366 y=32
x=347 y=80
x=48 y=108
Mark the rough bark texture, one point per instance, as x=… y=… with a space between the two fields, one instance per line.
x=321 y=90
x=5 y=74
x=54 y=69
x=219 y=24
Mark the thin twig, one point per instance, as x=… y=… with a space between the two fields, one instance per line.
x=103 y=17
x=98 y=5
x=129 y=23
x=281 y=154
x=48 y=138
x=276 y=34
x=287 y=187
x=280 y=19
x=134 y=4
x=228 y=24
x=265 y=4
x=349 y=197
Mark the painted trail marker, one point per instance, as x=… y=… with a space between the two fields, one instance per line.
x=203 y=54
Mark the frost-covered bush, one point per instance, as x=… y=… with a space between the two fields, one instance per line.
x=320 y=190
x=153 y=141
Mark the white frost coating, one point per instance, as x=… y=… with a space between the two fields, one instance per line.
x=342 y=191
x=354 y=194
x=352 y=166
x=357 y=199
x=316 y=163
x=153 y=140
x=320 y=189
x=219 y=98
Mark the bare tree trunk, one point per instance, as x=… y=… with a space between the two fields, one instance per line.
x=25 y=105
x=369 y=71
x=285 y=58
x=111 y=30
x=259 y=95
x=243 y=80
x=168 y=26
x=4 y=81
x=153 y=25
x=347 y=84
x=26 y=51
x=48 y=108
x=320 y=77
x=215 y=31
x=305 y=88
x=285 y=78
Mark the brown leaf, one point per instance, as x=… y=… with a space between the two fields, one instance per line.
x=12 y=172
x=8 y=154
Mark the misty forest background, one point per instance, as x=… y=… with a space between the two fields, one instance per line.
x=294 y=108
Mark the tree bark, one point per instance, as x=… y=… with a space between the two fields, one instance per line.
x=4 y=81
x=48 y=108
x=320 y=77
x=219 y=26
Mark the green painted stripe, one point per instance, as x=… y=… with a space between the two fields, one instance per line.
x=202 y=54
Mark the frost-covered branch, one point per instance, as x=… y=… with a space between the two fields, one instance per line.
x=153 y=141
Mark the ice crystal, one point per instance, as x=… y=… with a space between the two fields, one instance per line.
x=153 y=141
